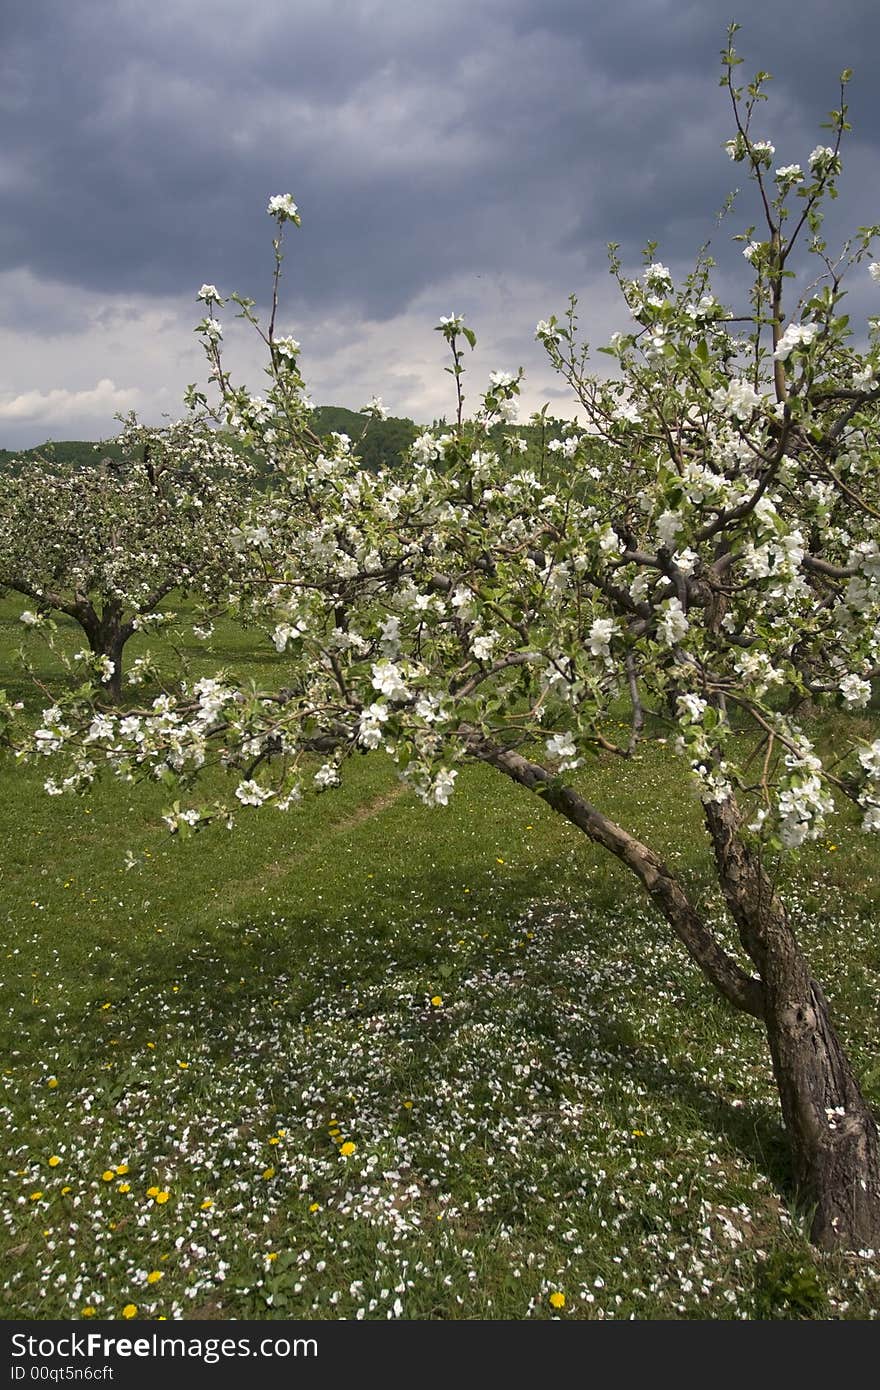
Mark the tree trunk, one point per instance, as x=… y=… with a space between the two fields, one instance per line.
x=114 y=684
x=834 y=1139
x=106 y=639
x=637 y=718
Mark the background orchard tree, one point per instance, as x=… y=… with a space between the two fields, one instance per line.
x=723 y=561
x=105 y=543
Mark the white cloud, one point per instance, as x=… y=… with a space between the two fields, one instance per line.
x=60 y=405
x=114 y=353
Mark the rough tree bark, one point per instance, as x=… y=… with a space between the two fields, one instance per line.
x=834 y=1139
x=637 y=722
x=107 y=637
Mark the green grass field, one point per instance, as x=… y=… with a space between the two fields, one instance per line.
x=367 y=1059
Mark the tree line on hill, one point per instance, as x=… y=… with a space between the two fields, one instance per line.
x=378 y=443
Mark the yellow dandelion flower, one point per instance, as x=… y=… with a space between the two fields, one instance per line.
x=154 y=1276
x=268 y=1173
x=52 y=1082
x=54 y=1161
x=638 y=1134
x=130 y=1310
x=152 y=1191
x=498 y=860
x=407 y=1105
x=347 y=1149
x=121 y=1169
x=124 y=1187
x=274 y=1141
x=316 y=1206
x=162 y=1198
x=557 y=1300
x=183 y=1065
x=207 y=1204
x=272 y=1256
x=151 y=1046
x=108 y=1175
x=65 y=1190
x=437 y=1001
x=88 y=1311
x=35 y=1196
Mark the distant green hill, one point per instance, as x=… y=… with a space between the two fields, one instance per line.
x=385 y=441
x=79 y=451
x=383 y=445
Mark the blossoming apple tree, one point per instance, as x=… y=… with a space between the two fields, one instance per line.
x=106 y=544
x=721 y=569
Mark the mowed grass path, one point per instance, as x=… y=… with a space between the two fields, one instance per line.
x=370 y=1060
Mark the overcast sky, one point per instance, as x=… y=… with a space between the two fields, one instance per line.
x=472 y=156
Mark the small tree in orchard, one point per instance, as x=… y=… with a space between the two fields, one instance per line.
x=106 y=544
x=722 y=564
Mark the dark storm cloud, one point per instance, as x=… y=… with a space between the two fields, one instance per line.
x=141 y=142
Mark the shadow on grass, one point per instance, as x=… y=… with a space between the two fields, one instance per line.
x=263 y=968
x=748 y=1132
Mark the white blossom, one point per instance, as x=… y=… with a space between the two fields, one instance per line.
x=673 y=624
x=388 y=680
x=287 y=348
x=870 y=759
x=693 y=706
x=443 y=785
x=738 y=399
x=599 y=636
x=282 y=206
x=686 y=560
x=855 y=691
x=484 y=645
x=561 y=746
x=796 y=335
x=668 y=526
x=822 y=159
x=370 y=730
x=250 y=793
x=547 y=332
